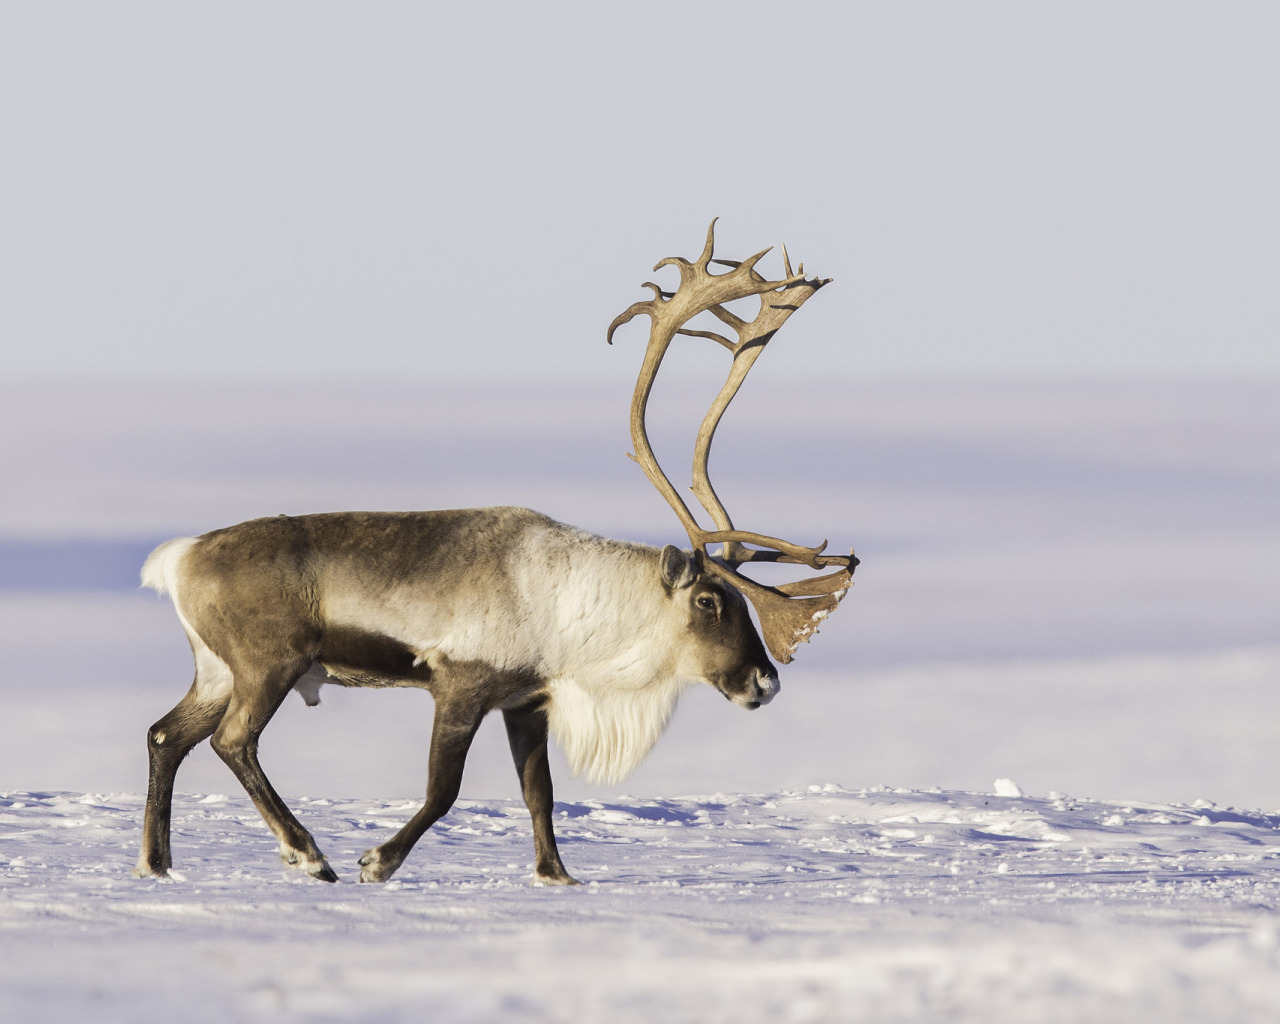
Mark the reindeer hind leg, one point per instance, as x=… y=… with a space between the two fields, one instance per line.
x=255 y=697
x=169 y=741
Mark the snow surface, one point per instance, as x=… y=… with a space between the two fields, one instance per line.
x=827 y=904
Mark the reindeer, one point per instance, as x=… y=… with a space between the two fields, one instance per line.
x=588 y=639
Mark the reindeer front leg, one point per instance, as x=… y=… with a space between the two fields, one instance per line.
x=527 y=734
x=454 y=728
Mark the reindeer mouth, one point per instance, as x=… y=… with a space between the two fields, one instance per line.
x=751 y=693
x=755 y=698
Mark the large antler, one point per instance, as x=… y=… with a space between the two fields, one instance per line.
x=788 y=613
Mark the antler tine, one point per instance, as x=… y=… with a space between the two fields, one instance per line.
x=709 y=246
x=750 y=262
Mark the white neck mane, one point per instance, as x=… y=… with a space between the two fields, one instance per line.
x=606 y=731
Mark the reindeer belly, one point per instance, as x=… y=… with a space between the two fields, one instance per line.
x=355 y=657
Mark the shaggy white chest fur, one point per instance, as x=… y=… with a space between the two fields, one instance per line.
x=606 y=731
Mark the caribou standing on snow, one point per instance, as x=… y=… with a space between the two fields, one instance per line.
x=588 y=639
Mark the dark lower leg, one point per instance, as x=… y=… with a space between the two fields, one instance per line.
x=527 y=734
x=168 y=743
x=451 y=737
x=236 y=742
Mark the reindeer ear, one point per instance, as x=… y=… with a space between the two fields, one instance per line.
x=678 y=568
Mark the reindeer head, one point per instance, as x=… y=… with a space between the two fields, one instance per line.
x=790 y=612
x=719 y=645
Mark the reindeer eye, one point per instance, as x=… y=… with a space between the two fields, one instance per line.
x=706 y=602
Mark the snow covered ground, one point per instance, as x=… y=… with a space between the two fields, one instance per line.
x=829 y=904
x=1072 y=586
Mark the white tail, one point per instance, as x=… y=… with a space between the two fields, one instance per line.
x=160 y=570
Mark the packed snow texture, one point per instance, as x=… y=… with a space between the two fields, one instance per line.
x=829 y=904
x=1064 y=588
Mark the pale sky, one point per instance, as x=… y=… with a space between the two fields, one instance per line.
x=446 y=192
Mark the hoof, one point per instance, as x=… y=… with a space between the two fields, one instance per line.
x=316 y=867
x=374 y=869
x=560 y=879
x=161 y=875
x=325 y=874
x=143 y=869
